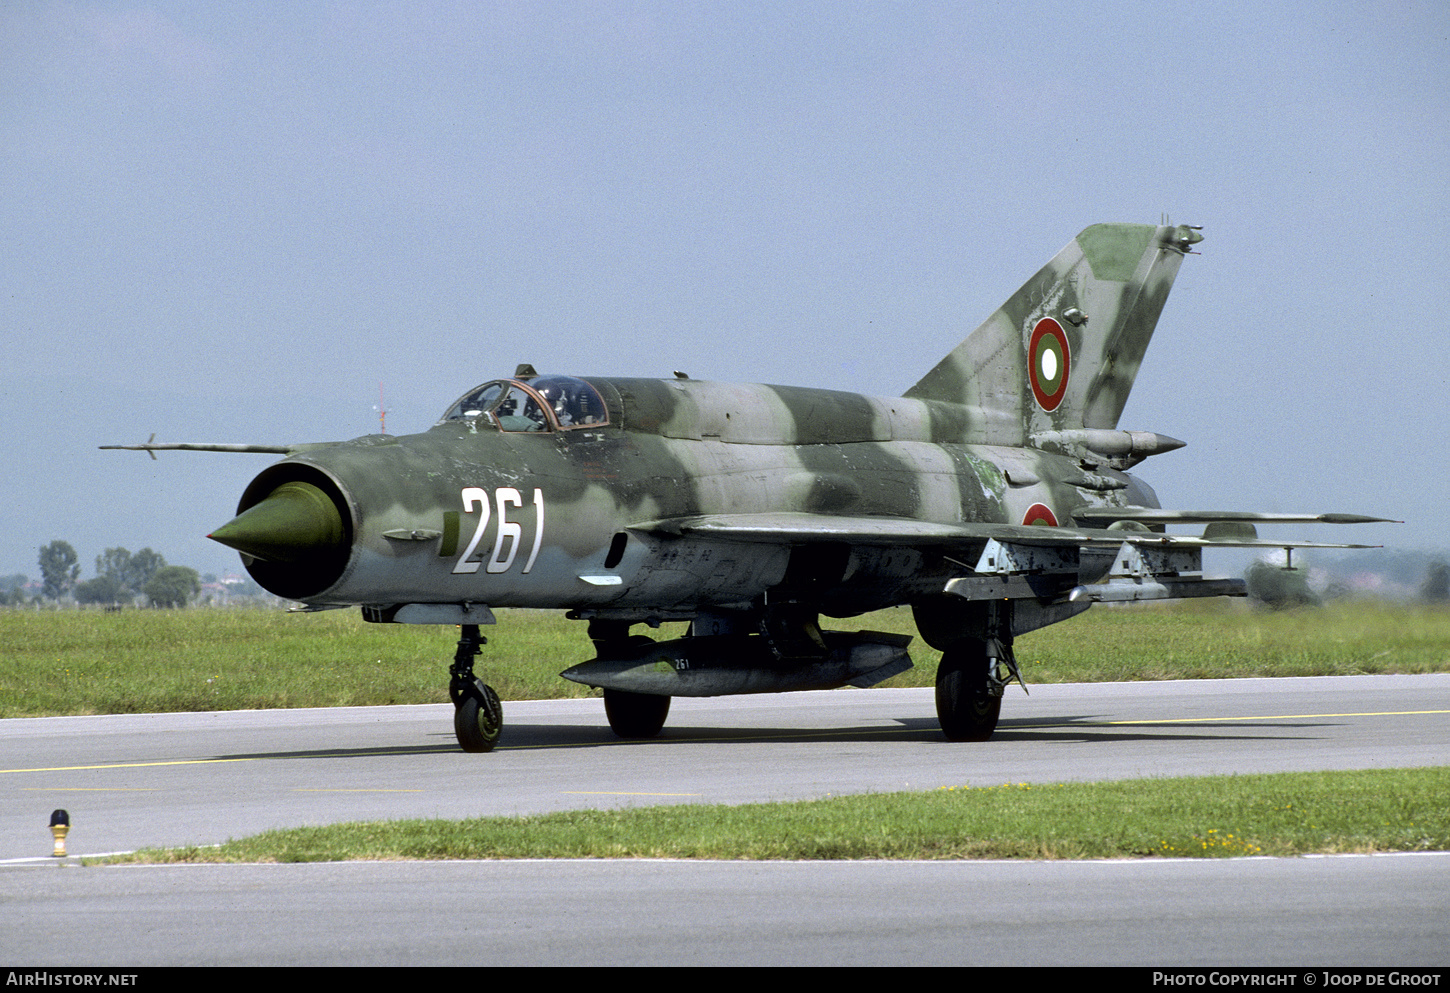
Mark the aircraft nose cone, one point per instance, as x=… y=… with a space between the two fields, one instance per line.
x=292 y=522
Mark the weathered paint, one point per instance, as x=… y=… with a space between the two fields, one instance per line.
x=993 y=498
x=478 y=503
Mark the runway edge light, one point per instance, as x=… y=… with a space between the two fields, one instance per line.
x=59 y=828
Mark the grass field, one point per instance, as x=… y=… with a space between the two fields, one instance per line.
x=1205 y=817
x=143 y=661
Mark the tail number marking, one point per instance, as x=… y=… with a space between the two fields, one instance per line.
x=510 y=534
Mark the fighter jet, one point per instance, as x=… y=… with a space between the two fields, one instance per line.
x=993 y=497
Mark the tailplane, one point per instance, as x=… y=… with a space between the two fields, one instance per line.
x=1061 y=354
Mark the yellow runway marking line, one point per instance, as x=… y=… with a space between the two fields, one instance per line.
x=1284 y=717
x=87 y=789
x=125 y=765
x=818 y=733
x=618 y=793
x=737 y=734
x=249 y=758
x=318 y=789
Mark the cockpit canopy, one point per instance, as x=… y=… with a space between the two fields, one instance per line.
x=545 y=403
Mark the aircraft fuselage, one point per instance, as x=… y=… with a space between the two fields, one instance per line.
x=549 y=517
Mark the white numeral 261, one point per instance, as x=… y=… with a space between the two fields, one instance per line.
x=502 y=559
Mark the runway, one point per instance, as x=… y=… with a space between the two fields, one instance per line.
x=144 y=780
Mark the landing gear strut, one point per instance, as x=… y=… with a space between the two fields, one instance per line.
x=477 y=714
x=975 y=639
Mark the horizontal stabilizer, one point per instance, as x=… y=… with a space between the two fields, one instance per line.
x=1149 y=539
x=1153 y=515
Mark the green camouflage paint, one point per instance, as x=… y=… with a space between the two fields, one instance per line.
x=987 y=497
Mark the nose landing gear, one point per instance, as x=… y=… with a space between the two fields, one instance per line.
x=478 y=713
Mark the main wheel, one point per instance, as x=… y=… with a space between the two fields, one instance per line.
x=476 y=724
x=965 y=705
x=635 y=715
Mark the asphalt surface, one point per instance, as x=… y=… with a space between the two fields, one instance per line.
x=145 y=780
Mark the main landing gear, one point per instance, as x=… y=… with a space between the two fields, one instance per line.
x=477 y=714
x=969 y=684
x=977 y=663
x=635 y=715
x=631 y=715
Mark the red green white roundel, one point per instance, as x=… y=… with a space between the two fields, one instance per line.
x=1039 y=513
x=1048 y=363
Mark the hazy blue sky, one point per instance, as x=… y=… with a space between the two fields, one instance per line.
x=233 y=221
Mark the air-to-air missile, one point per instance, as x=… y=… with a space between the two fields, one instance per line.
x=993 y=497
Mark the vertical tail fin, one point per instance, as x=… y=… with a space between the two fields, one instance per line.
x=1062 y=352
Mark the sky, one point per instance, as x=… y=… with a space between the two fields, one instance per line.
x=229 y=222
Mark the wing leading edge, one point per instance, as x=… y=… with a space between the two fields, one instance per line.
x=887 y=531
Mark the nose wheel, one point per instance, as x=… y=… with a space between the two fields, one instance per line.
x=478 y=713
x=479 y=719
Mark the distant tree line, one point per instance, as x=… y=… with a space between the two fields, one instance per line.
x=1436 y=587
x=1278 y=588
x=12 y=588
x=120 y=577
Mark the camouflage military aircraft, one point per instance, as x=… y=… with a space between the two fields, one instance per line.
x=992 y=497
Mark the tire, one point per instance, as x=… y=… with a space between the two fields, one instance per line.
x=478 y=727
x=965 y=706
x=635 y=715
